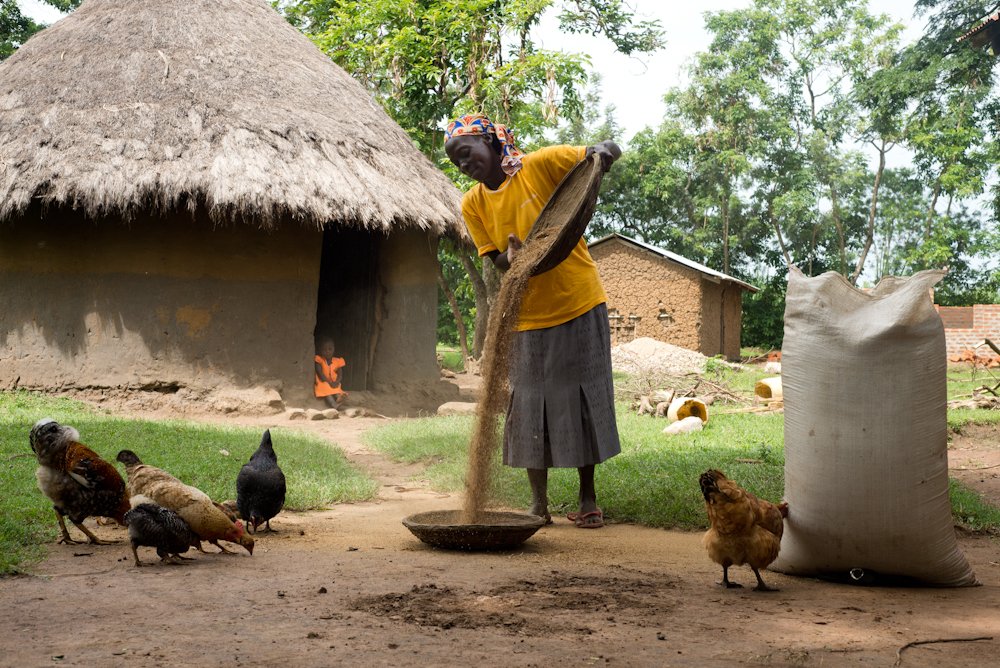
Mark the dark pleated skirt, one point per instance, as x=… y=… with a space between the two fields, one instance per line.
x=562 y=406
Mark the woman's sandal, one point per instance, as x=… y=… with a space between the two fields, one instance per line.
x=592 y=520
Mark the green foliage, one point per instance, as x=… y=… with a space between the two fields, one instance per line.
x=430 y=60
x=206 y=457
x=15 y=28
x=451 y=359
x=458 y=281
x=756 y=165
x=764 y=313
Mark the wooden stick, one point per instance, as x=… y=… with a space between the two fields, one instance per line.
x=914 y=643
x=965 y=468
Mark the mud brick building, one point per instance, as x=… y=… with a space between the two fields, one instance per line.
x=658 y=294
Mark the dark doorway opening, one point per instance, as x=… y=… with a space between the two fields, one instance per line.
x=347 y=302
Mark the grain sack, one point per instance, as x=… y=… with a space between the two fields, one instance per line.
x=866 y=461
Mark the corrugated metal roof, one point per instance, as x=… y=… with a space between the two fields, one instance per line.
x=977 y=36
x=714 y=275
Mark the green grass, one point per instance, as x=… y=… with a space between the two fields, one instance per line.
x=971 y=511
x=653 y=481
x=963 y=378
x=317 y=474
x=451 y=359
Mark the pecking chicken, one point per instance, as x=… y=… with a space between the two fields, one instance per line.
x=230 y=508
x=79 y=483
x=260 y=486
x=744 y=529
x=192 y=504
x=152 y=525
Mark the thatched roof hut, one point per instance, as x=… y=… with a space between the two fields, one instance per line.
x=183 y=152
x=126 y=107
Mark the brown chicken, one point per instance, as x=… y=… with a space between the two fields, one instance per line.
x=744 y=529
x=193 y=505
x=79 y=483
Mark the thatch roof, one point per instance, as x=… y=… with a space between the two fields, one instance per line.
x=127 y=107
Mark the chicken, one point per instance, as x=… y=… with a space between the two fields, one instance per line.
x=744 y=529
x=260 y=486
x=193 y=505
x=230 y=508
x=79 y=483
x=155 y=526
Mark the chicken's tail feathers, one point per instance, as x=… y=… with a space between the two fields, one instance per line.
x=783 y=508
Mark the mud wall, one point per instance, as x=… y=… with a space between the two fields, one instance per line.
x=158 y=304
x=406 y=318
x=666 y=298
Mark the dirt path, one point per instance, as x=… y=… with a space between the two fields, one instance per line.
x=350 y=586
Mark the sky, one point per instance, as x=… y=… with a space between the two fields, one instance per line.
x=635 y=85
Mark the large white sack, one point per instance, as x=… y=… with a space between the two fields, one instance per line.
x=866 y=460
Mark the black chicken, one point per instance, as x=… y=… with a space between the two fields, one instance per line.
x=155 y=526
x=260 y=486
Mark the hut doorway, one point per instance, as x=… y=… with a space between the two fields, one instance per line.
x=348 y=300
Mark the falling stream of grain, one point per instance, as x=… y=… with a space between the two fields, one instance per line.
x=496 y=366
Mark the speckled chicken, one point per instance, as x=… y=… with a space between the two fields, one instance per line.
x=260 y=486
x=76 y=479
x=152 y=525
x=744 y=529
x=193 y=505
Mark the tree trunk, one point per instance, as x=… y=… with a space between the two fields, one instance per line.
x=449 y=294
x=725 y=224
x=777 y=231
x=839 y=224
x=932 y=208
x=870 y=232
x=481 y=291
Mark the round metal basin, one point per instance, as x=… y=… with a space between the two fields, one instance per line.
x=496 y=530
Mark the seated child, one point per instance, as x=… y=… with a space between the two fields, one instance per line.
x=327 y=382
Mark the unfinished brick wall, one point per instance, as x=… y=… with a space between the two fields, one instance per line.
x=966 y=326
x=652 y=298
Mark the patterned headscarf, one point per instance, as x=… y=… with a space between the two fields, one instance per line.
x=478 y=124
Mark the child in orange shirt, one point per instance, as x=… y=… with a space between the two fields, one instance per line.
x=327 y=381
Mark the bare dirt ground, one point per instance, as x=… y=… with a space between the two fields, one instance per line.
x=351 y=586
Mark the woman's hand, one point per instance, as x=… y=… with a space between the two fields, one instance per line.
x=504 y=260
x=514 y=246
x=607 y=150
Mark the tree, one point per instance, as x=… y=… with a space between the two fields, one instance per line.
x=16 y=28
x=427 y=61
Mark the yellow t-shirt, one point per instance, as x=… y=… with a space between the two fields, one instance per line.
x=560 y=294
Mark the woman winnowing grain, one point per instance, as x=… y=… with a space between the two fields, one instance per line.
x=562 y=411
